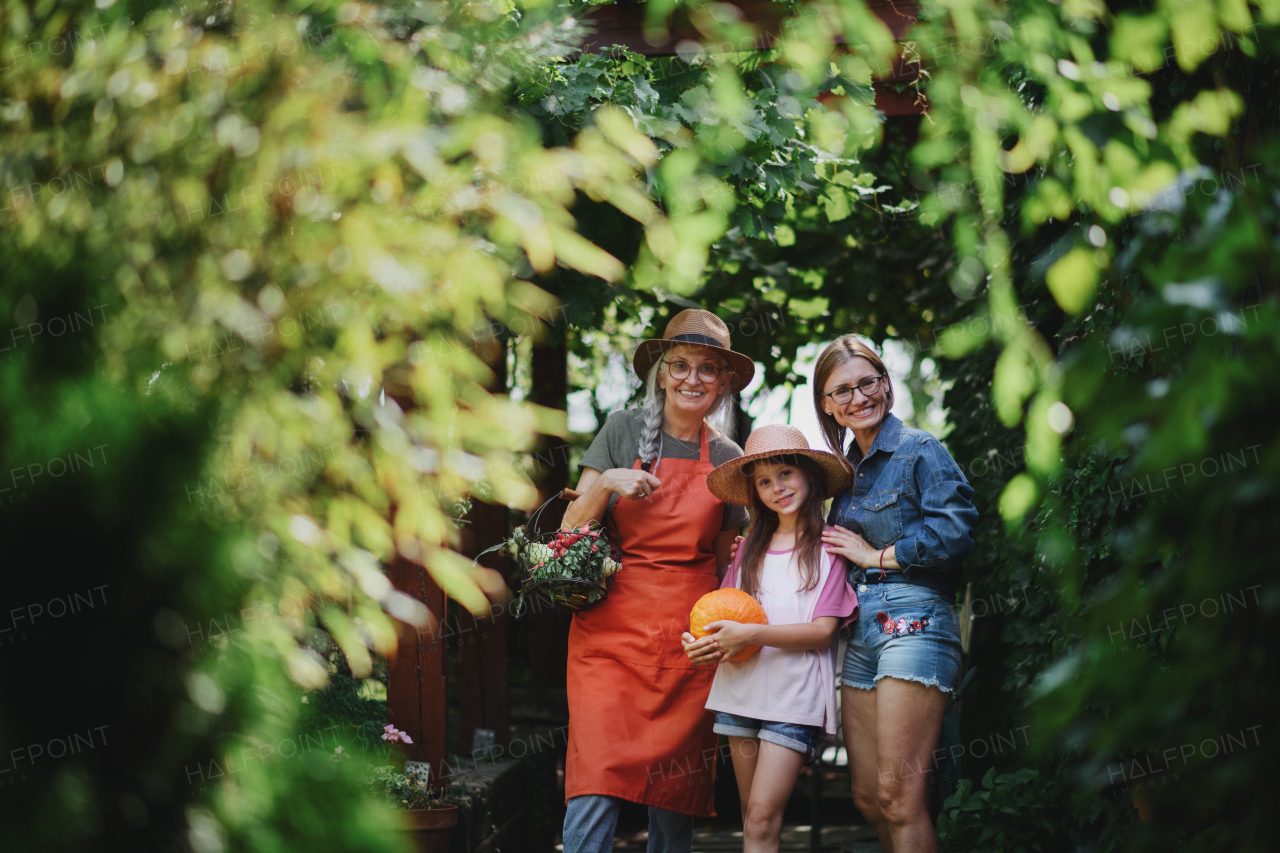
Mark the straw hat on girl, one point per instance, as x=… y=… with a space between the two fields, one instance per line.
x=730 y=484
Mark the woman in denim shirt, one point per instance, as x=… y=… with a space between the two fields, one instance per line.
x=905 y=524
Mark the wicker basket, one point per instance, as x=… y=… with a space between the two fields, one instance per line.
x=569 y=580
x=560 y=570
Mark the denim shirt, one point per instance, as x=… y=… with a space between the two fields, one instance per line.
x=908 y=491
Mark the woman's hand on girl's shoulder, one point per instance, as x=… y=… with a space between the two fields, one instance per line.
x=851 y=546
x=733 y=549
x=704 y=652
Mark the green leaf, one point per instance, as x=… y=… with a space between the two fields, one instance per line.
x=836 y=204
x=808 y=309
x=1073 y=280
x=1017 y=498
x=1193 y=24
x=1044 y=443
x=1138 y=39
x=960 y=339
x=1012 y=383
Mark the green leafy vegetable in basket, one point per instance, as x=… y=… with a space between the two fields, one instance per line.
x=571 y=568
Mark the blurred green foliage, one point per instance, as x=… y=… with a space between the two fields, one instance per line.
x=1112 y=168
x=406 y=793
x=255 y=256
x=1015 y=812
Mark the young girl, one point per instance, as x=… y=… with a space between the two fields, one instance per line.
x=775 y=706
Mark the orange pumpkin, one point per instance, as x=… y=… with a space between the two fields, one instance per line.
x=732 y=605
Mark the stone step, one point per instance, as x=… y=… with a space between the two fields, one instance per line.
x=795 y=839
x=509 y=804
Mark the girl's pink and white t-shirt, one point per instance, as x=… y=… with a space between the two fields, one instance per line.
x=783 y=685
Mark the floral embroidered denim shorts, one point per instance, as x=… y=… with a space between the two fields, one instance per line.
x=903 y=631
x=803 y=739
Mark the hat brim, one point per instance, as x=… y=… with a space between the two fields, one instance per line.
x=648 y=353
x=728 y=483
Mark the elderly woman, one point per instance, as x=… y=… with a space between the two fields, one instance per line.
x=638 y=727
x=905 y=523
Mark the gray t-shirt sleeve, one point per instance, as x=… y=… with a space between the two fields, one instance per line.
x=616 y=441
x=722 y=450
x=735 y=517
x=609 y=449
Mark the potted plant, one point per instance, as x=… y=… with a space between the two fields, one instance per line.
x=430 y=817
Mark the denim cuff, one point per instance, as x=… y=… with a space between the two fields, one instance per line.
x=734 y=731
x=906 y=551
x=788 y=742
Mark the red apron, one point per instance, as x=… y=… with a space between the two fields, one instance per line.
x=638 y=724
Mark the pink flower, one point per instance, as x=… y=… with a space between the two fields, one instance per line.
x=394 y=735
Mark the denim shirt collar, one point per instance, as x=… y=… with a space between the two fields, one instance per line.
x=887 y=439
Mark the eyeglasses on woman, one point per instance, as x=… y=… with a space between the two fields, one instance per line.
x=869 y=388
x=707 y=372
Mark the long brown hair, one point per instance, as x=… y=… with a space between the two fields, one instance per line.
x=764 y=523
x=839 y=352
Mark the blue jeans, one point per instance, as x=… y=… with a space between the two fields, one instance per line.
x=589 y=822
x=903 y=631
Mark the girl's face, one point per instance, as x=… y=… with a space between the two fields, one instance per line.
x=703 y=377
x=782 y=487
x=862 y=412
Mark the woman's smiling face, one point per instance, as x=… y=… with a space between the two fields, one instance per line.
x=862 y=412
x=692 y=394
x=782 y=487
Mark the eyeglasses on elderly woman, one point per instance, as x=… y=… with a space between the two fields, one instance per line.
x=707 y=372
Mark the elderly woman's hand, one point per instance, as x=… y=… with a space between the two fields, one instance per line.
x=630 y=482
x=853 y=548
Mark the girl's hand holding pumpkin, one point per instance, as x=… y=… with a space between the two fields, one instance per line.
x=732 y=637
x=704 y=652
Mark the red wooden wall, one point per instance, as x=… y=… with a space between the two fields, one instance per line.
x=417 y=702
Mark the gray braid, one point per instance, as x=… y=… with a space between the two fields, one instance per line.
x=655 y=401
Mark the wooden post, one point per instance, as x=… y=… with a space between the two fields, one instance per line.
x=548 y=629
x=483 y=687
x=417 y=686
x=550 y=373
x=416 y=700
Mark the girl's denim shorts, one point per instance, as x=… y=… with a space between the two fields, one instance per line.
x=803 y=739
x=903 y=631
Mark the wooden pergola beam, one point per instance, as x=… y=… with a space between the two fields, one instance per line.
x=623 y=24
